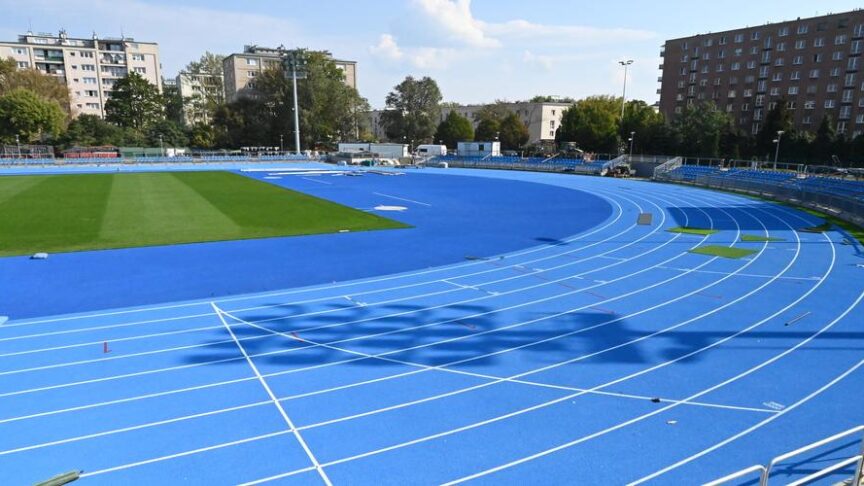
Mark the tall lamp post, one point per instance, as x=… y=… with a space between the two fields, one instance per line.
x=295 y=62
x=18 y=144
x=626 y=65
x=282 y=143
x=632 y=139
x=161 y=147
x=777 y=150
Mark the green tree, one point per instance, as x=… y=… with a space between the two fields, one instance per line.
x=174 y=104
x=170 y=131
x=31 y=117
x=413 y=108
x=134 y=103
x=207 y=73
x=202 y=135
x=43 y=85
x=699 y=128
x=493 y=112
x=488 y=130
x=513 y=133
x=779 y=118
x=455 y=128
x=90 y=130
x=592 y=123
x=647 y=123
x=824 y=143
x=244 y=122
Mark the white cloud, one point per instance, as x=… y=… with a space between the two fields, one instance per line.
x=387 y=48
x=521 y=30
x=453 y=21
x=543 y=62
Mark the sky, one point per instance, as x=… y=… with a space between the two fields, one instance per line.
x=478 y=51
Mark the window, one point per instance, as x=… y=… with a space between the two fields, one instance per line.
x=830 y=103
x=832 y=88
x=754 y=50
x=748 y=93
x=784 y=31
x=835 y=72
x=251 y=62
x=708 y=42
x=751 y=64
x=847 y=96
x=856 y=47
x=88 y=67
x=837 y=56
x=841 y=128
x=730 y=107
x=760 y=100
x=551 y=123
x=777 y=77
x=766 y=57
x=757 y=114
x=809 y=105
x=807 y=120
x=755 y=35
x=819 y=42
x=137 y=57
x=852 y=65
x=722 y=41
x=812 y=89
x=800 y=44
x=731 y=93
x=140 y=70
x=849 y=80
x=793 y=90
x=738 y=52
x=93 y=106
x=91 y=93
x=760 y=87
x=749 y=78
x=840 y=40
x=791 y=105
x=739 y=38
x=795 y=76
x=814 y=73
x=745 y=107
x=720 y=68
x=721 y=54
x=781 y=47
x=23 y=64
x=763 y=72
x=736 y=66
x=89 y=80
x=772 y=105
x=858 y=31
x=779 y=61
x=20 y=51
x=817 y=58
x=802 y=29
x=251 y=74
x=775 y=92
x=86 y=54
x=859 y=119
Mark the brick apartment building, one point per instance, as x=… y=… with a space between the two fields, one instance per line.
x=813 y=65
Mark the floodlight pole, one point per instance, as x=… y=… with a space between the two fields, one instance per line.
x=18 y=143
x=161 y=147
x=777 y=150
x=626 y=65
x=296 y=108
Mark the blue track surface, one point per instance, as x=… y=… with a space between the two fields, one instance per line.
x=537 y=364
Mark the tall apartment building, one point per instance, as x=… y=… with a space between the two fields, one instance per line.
x=89 y=67
x=813 y=65
x=242 y=68
x=196 y=88
x=541 y=118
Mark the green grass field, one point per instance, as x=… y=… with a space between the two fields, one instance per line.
x=59 y=213
x=722 y=251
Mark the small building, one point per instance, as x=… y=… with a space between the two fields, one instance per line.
x=479 y=149
x=381 y=150
x=431 y=150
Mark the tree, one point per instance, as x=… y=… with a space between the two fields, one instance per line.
x=413 y=108
x=27 y=115
x=202 y=135
x=455 y=128
x=493 y=112
x=647 y=123
x=823 y=143
x=487 y=130
x=89 y=130
x=592 y=123
x=170 y=131
x=174 y=104
x=699 y=128
x=45 y=86
x=134 y=103
x=513 y=133
x=245 y=122
x=207 y=73
x=778 y=118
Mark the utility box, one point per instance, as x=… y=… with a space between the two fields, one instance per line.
x=479 y=149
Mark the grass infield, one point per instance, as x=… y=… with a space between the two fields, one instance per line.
x=759 y=239
x=59 y=213
x=692 y=231
x=722 y=251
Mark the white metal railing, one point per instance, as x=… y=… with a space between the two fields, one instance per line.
x=668 y=166
x=620 y=160
x=765 y=471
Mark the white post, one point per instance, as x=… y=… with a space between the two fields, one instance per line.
x=296 y=107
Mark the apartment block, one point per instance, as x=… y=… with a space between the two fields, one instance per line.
x=541 y=118
x=813 y=65
x=89 y=67
x=241 y=69
x=195 y=89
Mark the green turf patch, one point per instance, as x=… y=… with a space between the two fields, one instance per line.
x=692 y=231
x=722 y=251
x=60 y=213
x=817 y=229
x=759 y=239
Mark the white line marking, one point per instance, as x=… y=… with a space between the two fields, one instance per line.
x=273 y=398
x=316 y=180
x=402 y=199
x=809 y=279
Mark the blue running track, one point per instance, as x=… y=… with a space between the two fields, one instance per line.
x=574 y=347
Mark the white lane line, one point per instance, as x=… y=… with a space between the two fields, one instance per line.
x=316 y=180
x=273 y=398
x=402 y=199
x=755 y=275
x=190 y=453
x=751 y=429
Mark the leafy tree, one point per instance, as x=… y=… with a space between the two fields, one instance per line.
x=413 y=107
x=824 y=142
x=513 y=133
x=31 y=117
x=174 y=104
x=592 y=123
x=646 y=122
x=134 y=103
x=494 y=112
x=245 y=122
x=455 y=128
x=777 y=119
x=170 y=131
x=487 y=130
x=89 y=130
x=43 y=85
x=202 y=135
x=699 y=128
x=209 y=74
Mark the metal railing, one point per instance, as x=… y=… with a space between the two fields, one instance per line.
x=668 y=166
x=765 y=471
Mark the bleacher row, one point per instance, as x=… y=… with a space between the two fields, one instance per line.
x=518 y=163
x=833 y=186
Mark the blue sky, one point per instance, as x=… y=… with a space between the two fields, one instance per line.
x=478 y=50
